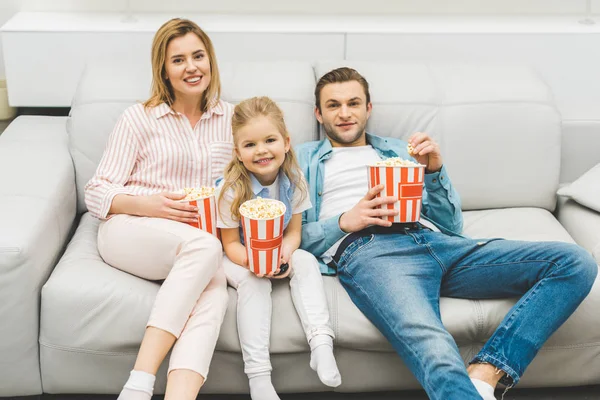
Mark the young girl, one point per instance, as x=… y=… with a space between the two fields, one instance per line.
x=264 y=165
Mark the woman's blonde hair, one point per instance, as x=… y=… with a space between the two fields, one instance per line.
x=237 y=177
x=162 y=91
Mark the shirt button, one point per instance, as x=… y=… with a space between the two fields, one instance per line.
x=434 y=181
x=320 y=193
x=442 y=178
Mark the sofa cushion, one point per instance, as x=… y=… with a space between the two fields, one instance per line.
x=480 y=116
x=106 y=90
x=585 y=190
x=290 y=84
x=85 y=296
x=463 y=318
x=88 y=305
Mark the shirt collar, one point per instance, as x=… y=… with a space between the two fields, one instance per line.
x=257 y=187
x=377 y=142
x=163 y=109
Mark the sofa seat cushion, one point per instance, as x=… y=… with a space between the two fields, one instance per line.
x=469 y=321
x=89 y=306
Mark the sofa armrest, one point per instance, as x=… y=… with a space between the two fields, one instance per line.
x=582 y=223
x=37 y=210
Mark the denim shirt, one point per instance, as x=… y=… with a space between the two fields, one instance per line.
x=441 y=202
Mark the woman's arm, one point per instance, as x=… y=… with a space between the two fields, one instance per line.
x=161 y=205
x=234 y=249
x=114 y=169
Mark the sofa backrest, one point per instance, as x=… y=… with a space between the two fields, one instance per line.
x=497 y=126
x=106 y=90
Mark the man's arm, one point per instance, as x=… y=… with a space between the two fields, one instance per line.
x=319 y=236
x=441 y=202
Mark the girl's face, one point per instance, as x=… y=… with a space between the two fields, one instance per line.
x=261 y=148
x=187 y=67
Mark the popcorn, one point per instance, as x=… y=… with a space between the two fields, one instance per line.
x=410 y=149
x=263 y=224
x=260 y=208
x=198 y=193
x=396 y=162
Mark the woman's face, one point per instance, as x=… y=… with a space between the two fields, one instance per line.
x=187 y=66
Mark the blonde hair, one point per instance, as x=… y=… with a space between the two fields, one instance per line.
x=162 y=91
x=237 y=177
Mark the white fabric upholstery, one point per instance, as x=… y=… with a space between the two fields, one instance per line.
x=106 y=90
x=500 y=136
x=585 y=190
x=498 y=128
x=37 y=209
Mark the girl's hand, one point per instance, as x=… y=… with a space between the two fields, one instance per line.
x=165 y=205
x=284 y=275
x=269 y=275
x=286 y=252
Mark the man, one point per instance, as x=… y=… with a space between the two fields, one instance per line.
x=396 y=273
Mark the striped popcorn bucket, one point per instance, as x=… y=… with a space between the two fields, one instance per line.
x=403 y=182
x=263 y=238
x=207 y=214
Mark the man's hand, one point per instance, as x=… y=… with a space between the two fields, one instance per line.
x=426 y=151
x=365 y=213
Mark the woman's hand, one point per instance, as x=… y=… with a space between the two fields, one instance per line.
x=166 y=205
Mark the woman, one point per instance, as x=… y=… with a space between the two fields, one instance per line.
x=180 y=137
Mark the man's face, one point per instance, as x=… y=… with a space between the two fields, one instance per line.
x=344 y=113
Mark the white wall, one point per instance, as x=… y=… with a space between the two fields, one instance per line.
x=543 y=7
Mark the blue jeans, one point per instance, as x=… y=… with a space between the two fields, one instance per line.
x=397 y=279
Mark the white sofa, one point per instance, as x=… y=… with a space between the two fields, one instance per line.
x=72 y=324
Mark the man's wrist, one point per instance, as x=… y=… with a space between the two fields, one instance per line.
x=340 y=223
x=430 y=171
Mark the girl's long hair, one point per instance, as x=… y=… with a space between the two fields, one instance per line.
x=237 y=177
x=162 y=91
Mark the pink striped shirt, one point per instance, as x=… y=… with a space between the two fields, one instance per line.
x=155 y=149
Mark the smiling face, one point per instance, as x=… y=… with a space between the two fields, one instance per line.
x=261 y=148
x=344 y=113
x=187 y=67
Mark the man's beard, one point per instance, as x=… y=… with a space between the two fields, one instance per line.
x=333 y=135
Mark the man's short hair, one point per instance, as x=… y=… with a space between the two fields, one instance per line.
x=340 y=75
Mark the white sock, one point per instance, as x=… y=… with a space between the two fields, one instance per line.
x=261 y=387
x=484 y=389
x=322 y=360
x=139 y=386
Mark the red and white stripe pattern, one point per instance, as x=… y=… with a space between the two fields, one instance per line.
x=405 y=183
x=263 y=238
x=155 y=149
x=207 y=214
